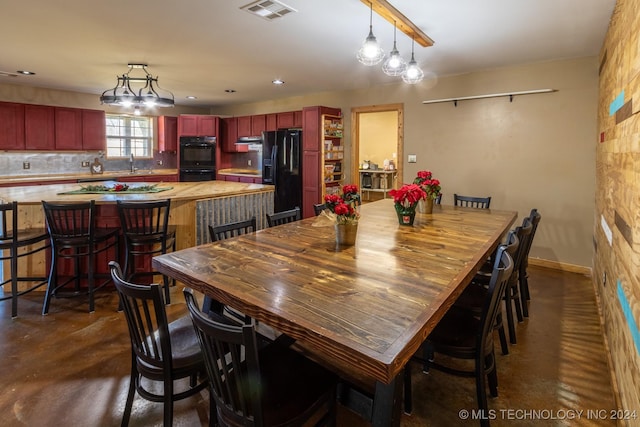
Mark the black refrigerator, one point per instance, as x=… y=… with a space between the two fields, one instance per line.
x=282 y=167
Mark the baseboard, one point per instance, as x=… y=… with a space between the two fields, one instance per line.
x=563 y=266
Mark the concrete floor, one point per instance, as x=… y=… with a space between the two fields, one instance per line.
x=71 y=367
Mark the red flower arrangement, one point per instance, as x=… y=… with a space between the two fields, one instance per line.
x=429 y=185
x=343 y=206
x=407 y=196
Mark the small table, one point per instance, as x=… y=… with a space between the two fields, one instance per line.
x=362 y=310
x=381 y=181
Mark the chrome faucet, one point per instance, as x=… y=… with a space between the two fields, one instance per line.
x=131 y=159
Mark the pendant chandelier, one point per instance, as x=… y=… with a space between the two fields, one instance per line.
x=413 y=74
x=394 y=65
x=370 y=53
x=145 y=91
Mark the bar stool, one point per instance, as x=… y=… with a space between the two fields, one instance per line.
x=75 y=237
x=19 y=243
x=147 y=233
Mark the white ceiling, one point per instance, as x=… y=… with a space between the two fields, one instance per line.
x=202 y=47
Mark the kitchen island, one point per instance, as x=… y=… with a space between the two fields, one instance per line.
x=194 y=206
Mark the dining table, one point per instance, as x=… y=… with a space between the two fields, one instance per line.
x=362 y=310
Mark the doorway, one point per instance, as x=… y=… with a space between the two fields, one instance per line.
x=377 y=133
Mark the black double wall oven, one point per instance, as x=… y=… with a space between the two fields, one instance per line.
x=197 y=158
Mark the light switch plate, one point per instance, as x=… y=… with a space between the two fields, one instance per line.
x=412 y=158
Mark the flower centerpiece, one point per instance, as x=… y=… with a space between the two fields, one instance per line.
x=431 y=187
x=343 y=207
x=405 y=200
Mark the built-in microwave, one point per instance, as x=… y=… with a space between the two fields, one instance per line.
x=197 y=152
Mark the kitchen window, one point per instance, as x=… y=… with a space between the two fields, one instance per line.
x=129 y=134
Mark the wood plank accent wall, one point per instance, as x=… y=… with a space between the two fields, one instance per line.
x=617 y=215
x=222 y=210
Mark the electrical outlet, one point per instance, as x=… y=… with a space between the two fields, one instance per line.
x=85 y=164
x=26 y=165
x=412 y=158
x=159 y=163
x=249 y=162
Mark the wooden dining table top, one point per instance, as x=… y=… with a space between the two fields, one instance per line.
x=366 y=307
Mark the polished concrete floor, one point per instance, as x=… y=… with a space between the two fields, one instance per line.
x=71 y=367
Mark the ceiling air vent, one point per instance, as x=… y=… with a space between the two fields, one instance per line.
x=268 y=9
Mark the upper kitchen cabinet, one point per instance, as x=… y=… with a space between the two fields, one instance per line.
x=197 y=125
x=94 y=130
x=39 y=127
x=11 y=126
x=271 y=122
x=285 y=120
x=167 y=134
x=229 y=132
x=68 y=128
x=251 y=125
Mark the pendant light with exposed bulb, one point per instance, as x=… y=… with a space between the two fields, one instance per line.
x=394 y=65
x=370 y=53
x=413 y=74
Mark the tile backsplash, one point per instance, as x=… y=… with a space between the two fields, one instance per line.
x=44 y=163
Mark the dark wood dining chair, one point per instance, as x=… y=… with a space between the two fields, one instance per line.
x=461 y=334
x=161 y=352
x=283 y=217
x=76 y=238
x=232 y=229
x=472 y=202
x=523 y=276
x=15 y=245
x=147 y=233
x=438 y=199
x=318 y=208
x=260 y=386
x=474 y=295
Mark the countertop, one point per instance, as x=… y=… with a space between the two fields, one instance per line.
x=34 y=194
x=254 y=173
x=107 y=175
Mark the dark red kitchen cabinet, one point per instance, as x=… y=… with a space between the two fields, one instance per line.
x=297 y=119
x=271 y=122
x=197 y=125
x=167 y=134
x=94 y=130
x=11 y=126
x=285 y=120
x=244 y=126
x=229 y=134
x=39 y=127
x=68 y=128
x=258 y=124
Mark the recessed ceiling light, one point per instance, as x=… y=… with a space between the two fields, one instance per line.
x=230 y=90
x=26 y=73
x=192 y=97
x=277 y=82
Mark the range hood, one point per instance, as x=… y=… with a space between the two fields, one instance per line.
x=249 y=143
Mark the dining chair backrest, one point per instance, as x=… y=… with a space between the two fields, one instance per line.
x=502 y=271
x=161 y=351
x=232 y=229
x=283 y=217
x=472 y=202
x=231 y=358
x=438 y=199
x=258 y=386
x=524 y=236
x=534 y=217
x=318 y=208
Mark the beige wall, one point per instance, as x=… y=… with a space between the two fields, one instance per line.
x=537 y=151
